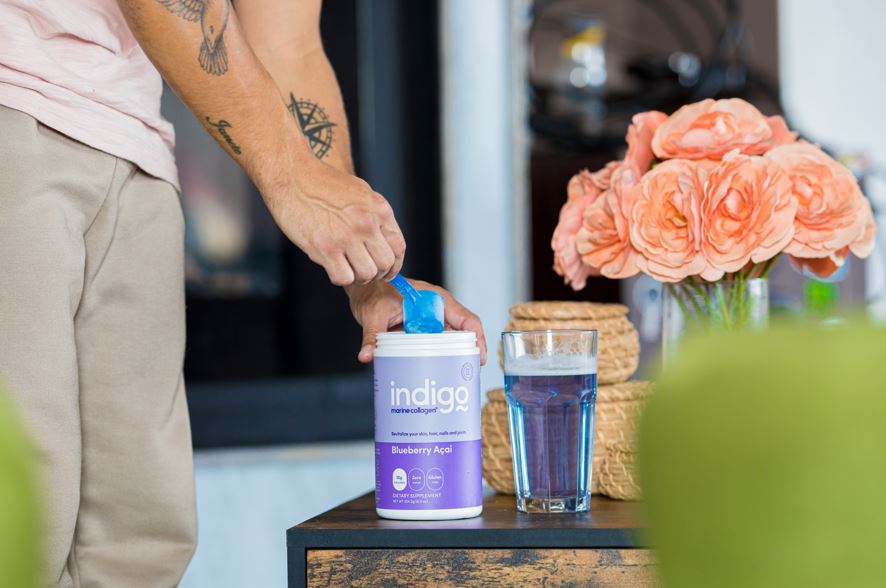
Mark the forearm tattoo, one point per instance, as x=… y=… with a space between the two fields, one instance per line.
x=223 y=126
x=213 y=17
x=314 y=124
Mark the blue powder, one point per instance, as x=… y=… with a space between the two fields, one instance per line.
x=424 y=325
x=425 y=315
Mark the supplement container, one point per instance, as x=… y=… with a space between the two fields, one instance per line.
x=427 y=426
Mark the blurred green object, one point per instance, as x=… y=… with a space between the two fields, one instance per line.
x=820 y=298
x=19 y=521
x=763 y=460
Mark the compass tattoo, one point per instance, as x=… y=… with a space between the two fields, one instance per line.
x=314 y=123
x=213 y=16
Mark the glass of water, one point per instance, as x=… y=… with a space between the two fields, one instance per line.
x=551 y=387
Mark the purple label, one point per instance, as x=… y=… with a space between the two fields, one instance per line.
x=420 y=476
x=427 y=432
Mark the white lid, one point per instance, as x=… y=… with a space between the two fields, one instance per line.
x=445 y=343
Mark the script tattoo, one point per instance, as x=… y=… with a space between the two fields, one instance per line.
x=222 y=127
x=213 y=18
x=314 y=124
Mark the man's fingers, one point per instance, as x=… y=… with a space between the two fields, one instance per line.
x=458 y=317
x=391 y=231
x=382 y=255
x=396 y=240
x=370 y=330
x=461 y=319
x=395 y=269
x=397 y=245
x=339 y=271
x=384 y=212
x=362 y=264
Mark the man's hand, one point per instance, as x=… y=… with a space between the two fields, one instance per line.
x=340 y=223
x=378 y=307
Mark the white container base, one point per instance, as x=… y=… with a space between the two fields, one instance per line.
x=442 y=514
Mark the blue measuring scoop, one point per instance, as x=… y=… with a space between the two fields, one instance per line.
x=422 y=309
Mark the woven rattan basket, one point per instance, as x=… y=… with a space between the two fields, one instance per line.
x=618 y=408
x=618 y=343
x=498 y=468
x=617 y=413
x=618 y=472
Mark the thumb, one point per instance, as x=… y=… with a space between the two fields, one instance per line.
x=371 y=328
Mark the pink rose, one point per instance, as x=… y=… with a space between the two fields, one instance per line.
x=748 y=212
x=639 y=139
x=585 y=183
x=583 y=189
x=712 y=128
x=603 y=241
x=831 y=213
x=864 y=244
x=823 y=267
x=567 y=261
x=781 y=135
x=708 y=165
x=664 y=216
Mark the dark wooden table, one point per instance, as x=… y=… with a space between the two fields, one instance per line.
x=351 y=546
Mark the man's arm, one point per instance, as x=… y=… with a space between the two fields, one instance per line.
x=285 y=35
x=336 y=218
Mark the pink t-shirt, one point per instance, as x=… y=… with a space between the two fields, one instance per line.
x=75 y=66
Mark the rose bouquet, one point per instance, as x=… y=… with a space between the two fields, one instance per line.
x=714 y=192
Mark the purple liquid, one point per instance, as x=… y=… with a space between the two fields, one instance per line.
x=552 y=434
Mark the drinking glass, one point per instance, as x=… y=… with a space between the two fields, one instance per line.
x=551 y=387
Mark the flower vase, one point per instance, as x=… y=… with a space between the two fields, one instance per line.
x=695 y=305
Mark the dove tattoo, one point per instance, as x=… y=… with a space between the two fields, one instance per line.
x=213 y=18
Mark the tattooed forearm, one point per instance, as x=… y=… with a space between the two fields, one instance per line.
x=213 y=17
x=314 y=123
x=222 y=127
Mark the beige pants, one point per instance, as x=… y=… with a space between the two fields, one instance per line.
x=91 y=346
